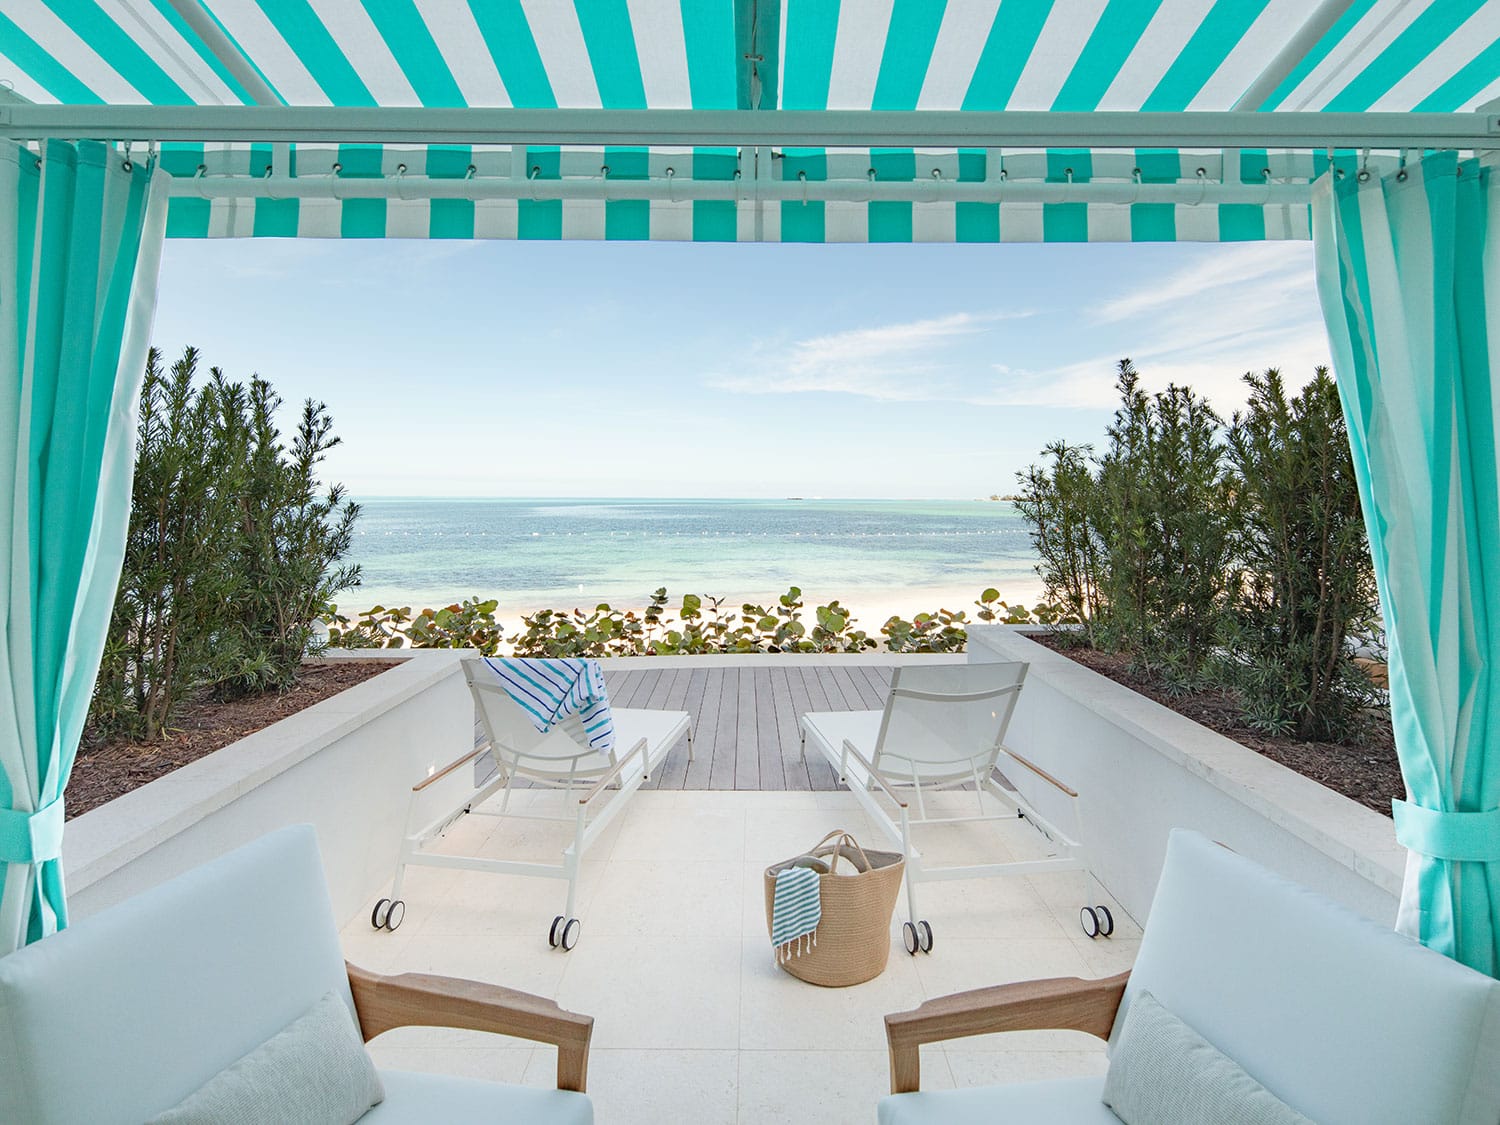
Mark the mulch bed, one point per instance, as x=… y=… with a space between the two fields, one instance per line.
x=1365 y=771
x=105 y=770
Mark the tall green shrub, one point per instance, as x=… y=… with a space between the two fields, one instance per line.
x=232 y=550
x=1304 y=578
x=1060 y=499
x=1165 y=517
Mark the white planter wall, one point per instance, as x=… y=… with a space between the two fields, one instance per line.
x=345 y=765
x=1142 y=769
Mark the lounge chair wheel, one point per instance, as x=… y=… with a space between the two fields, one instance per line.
x=1106 y=921
x=909 y=936
x=378 y=915
x=924 y=935
x=554 y=935
x=569 y=936
x=395 y=913
x=1090 y=921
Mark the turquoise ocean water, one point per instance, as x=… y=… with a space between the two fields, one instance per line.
x=562 y=553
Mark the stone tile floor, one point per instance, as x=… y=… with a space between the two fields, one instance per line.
x=693 y=1020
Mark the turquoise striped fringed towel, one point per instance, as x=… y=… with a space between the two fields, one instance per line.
x=796 y=909
x=550 y=690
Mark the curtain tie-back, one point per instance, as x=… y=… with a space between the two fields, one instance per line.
x=1465 y=836
x=31 y=837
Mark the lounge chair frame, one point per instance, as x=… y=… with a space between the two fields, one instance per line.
x=868 y=784
x=589 y=799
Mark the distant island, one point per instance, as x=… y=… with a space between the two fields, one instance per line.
x=1012 y=499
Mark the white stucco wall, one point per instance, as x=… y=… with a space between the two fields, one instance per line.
x=1142 y=770
x=345 y=765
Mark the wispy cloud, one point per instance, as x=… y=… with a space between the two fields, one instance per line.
x=1235 y=309
x=894 y=362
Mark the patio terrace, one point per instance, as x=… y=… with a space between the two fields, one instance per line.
x=693 y=1020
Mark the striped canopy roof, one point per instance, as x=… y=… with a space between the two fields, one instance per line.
x=1058 y=55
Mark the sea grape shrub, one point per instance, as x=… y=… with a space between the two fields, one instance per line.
x=701 y=626
x=942 y=631
x=1304 y=582
x=376 y=627
x=233 y=548
x=467 y=624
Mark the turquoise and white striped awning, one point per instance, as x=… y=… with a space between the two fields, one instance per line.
x=1273 y=57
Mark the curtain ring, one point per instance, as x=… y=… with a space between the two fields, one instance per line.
x=127 y=165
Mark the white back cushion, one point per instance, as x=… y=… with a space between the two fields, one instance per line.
x=1344 y=1020
x=127 y=1012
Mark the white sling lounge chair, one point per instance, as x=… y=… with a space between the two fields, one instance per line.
x=595 y=785
x=943 y=727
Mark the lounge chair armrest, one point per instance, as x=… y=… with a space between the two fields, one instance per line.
x=449 y=768
x=424 y=1000
x=619 y=768
x=852 y=751
x=1066 y=1003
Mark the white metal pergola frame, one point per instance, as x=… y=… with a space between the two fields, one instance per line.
x=759 y=137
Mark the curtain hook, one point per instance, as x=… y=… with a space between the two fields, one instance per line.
x=401 y=183
x=128 y=166
x=266 y=179
x=531 y=175
x=469 y=183
x=604 y=179
x=671 y=175
x=1364 y=166
x=333 y=178
x=1202 y=175
x=151 y=156
x=198 y=179
x=803 y=177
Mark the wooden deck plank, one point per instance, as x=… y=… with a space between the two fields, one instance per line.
x=726 y=731
x=817 y=694
x=880 y=681
x=787 y=735
x=703 y=705
x=671 y=773
x=838 y=699
x=768 y=735
x=747 y=751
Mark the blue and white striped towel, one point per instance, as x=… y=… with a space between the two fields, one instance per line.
x=796 y=910
x=550 y=690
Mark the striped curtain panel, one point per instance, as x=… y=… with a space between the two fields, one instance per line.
x=1409 y=281
x=80 y=241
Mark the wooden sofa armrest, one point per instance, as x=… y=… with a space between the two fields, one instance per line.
x=1065 y=1003
x=424 y=1000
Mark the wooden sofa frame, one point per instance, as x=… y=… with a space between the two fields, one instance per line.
x=1059 y=1003
x=424 y=1000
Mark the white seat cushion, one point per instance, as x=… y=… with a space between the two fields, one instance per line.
x=128 y=1012
x=1347 y=1022
x=1062 y=1101
x=826 y=730
x=425 y=1098
x=660 y=729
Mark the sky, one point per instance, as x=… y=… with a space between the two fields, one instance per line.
x=470 y=369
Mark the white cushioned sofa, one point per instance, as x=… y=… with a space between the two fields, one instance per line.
x=123 y=1015
x=1345 y=1021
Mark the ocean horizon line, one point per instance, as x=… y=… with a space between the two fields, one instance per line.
x=361 y=499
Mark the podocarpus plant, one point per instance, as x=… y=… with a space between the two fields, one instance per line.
x=291 y=536
x=1304 y=578
x=231 y=553
x=1060 y=501
x=1166 y=519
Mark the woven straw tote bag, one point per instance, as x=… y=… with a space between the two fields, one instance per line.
x=853 y=938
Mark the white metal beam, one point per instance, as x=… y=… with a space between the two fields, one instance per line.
x=747 y=190
x=791 y=128
x=214 y=38
x=1303 y=40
